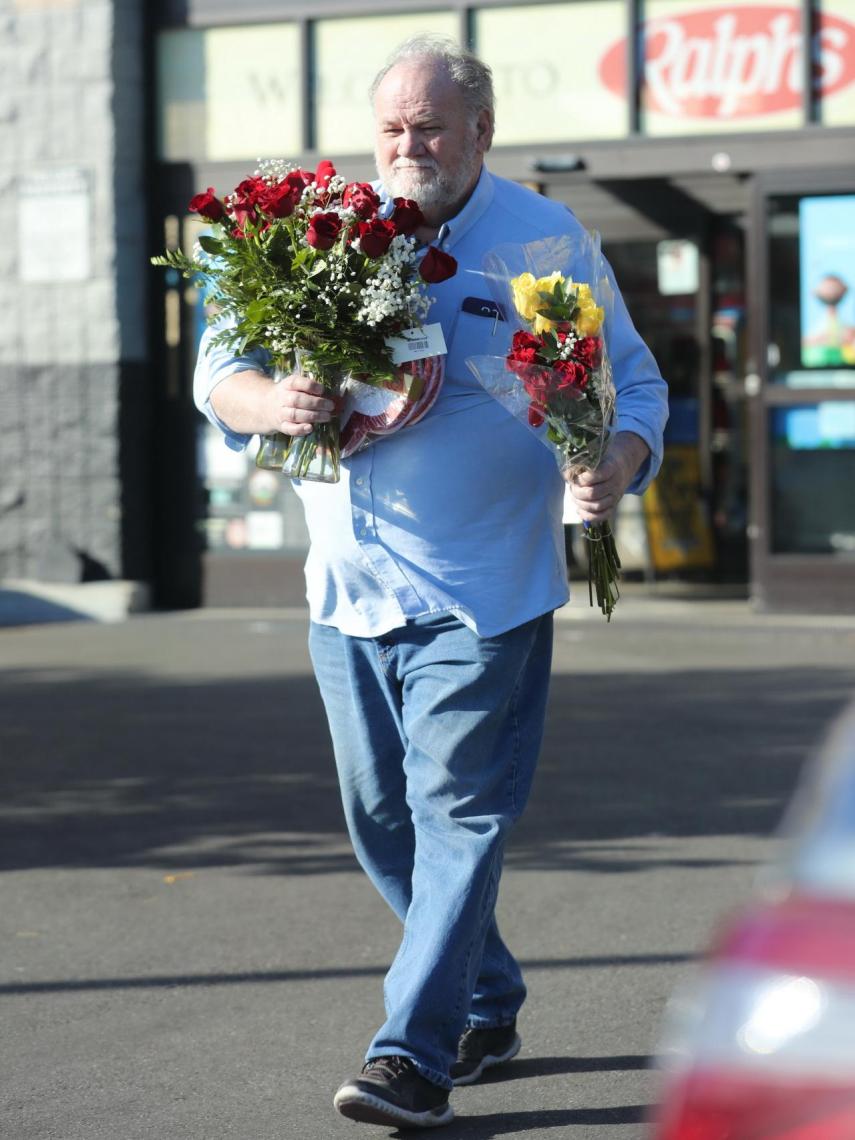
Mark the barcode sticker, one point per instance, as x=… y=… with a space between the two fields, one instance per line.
x=416 y=344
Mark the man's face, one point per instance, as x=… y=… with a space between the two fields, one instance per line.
x=428 y=144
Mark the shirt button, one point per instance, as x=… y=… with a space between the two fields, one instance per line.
x=360 y=482
x=363 y=532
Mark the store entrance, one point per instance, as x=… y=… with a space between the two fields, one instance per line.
x=686 y=296
x=803 y=411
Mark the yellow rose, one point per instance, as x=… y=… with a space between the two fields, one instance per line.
x=589 y=319
x=590 y=315
x=526 y=300
x=547 y=284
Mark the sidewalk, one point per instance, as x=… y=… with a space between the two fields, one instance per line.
x=188 y=950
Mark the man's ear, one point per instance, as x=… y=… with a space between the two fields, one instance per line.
x=484 y=131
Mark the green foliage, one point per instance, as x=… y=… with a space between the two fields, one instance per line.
x=278 y=294
x=560 y=302
x=175 y=259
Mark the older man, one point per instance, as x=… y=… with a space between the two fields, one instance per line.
x=433 y=571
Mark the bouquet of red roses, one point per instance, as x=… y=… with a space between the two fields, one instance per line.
x=303 y=265
x=556 y=377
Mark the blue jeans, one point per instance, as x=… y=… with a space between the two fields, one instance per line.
x=436 y=733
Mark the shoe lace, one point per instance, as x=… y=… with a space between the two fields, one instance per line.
x=389 y=1066
x=467 y=1042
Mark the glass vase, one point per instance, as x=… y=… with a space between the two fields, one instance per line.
x=317 y=456
x=273 y=448
x=272 y=451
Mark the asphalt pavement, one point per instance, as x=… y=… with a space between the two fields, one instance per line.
x=188 y=950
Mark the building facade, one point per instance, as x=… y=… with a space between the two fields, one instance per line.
x=74 y=377
x=714 y=154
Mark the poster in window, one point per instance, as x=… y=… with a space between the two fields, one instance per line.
x=827 y=281
x=678 y=528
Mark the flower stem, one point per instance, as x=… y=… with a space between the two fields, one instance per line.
x=603 y=567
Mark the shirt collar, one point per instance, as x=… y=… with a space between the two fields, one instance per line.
x=451 y=232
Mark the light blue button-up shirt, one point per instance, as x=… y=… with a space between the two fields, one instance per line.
x=462 y=512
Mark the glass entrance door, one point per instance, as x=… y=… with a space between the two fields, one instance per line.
x=803 y=532
x=686 y=296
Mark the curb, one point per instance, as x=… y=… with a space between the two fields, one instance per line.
x=24 y=601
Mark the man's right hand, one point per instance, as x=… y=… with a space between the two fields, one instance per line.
x=250 y=403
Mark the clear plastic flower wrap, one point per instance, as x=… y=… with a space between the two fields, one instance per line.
x=557 y=379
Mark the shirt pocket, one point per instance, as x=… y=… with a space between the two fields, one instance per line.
x=474 y=335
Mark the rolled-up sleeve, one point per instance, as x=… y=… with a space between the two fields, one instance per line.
x=641 y=393
x=213 y=364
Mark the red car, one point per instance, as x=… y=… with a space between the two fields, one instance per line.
x=762 y=1047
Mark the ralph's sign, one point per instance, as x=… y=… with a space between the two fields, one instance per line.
x=734 y=62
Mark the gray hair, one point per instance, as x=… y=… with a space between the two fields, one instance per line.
x=470 y=75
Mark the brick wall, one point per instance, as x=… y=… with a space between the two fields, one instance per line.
x=71 y=122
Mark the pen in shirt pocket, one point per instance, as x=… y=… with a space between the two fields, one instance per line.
x=481 y=307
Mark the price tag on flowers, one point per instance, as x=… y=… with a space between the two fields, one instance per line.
x=416 y=344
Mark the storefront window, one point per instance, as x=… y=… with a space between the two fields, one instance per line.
x=718 y=67
x=545 y=90
x=834 y=51
x=812 y=291
x=228 y=93
x=813 y=472
x=348 y=54
x=247 y=509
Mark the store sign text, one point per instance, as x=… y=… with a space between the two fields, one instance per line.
x=732 y=63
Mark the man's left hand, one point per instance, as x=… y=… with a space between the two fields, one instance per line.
x=597 y=493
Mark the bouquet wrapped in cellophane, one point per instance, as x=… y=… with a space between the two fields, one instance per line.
x=556 y=379
x=302 y=264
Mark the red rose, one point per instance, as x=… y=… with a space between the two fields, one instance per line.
x=571 y=374
x=361 y=198
x=245 y=200
x=375 y=237
x=244 y=214
x=323 y=230
x=298 y=180
x=589 y=351
x=524 y=346
x=437 y=266
x=279 y=201
x=524 y=352
x=538 y=382
x=407 y=216
x=208 y=205
x=250 y=189
x=324 y=173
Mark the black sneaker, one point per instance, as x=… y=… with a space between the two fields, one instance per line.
x=480 y=1049
x=391 y=1090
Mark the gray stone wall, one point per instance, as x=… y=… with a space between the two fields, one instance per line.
x=72 y=280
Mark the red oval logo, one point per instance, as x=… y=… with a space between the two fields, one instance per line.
x=730 y=63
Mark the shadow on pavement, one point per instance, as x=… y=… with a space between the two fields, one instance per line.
x=128 y=770
x=334 y=973
x=485 y=1126
x=526 y=1067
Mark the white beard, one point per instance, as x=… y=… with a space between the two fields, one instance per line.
x=431 y=188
